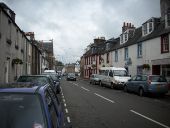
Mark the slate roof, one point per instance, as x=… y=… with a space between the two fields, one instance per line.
x=159 y=29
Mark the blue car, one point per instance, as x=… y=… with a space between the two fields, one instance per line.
x=25 y=105
x=144 y=84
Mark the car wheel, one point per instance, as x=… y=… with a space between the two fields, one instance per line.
x=112 y=85
x=125 y=88
x=141 y=92
x=100 y=83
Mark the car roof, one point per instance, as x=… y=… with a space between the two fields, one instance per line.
x=21 y=87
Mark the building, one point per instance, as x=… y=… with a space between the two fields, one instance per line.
x=12 y=44
x=142 y=50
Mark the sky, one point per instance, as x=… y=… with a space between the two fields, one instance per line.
x=73 y=24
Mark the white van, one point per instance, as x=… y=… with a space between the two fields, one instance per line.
x=114 y=77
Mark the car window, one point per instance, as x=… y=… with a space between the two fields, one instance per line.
x=133 y=78
x=157 y=79
x=144 y=78
x=34 y=79
x=16 y=111
x=111 y=74
x=139 y=78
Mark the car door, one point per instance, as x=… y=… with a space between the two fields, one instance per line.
x=57 y=105
x=106 y=79
x=130 y=83
x=137 y=83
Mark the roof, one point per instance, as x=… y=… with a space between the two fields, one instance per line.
x=26 y=87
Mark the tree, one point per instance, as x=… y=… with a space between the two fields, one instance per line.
x=59 y=63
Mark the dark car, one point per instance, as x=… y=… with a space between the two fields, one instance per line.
x=25 y=105
x=143 y=84
x=56 y=80
x=71 y=76
x=40 y=79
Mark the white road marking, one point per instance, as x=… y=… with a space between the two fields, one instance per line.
x=76 y=84
x=104 y=98
x=68 y=119
x=65 y=105
x=64 y=100
x=85 y=89
x=66 y=110
x=165 y=126
x=63 y=96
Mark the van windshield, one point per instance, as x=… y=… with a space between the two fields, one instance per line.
x=120 y=73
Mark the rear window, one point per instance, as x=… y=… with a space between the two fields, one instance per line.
x=157 y=79
x=34 y=79
x=21 y=111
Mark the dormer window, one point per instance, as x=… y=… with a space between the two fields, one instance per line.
x=167 y=18
x=124 y=37
x=147 y=27
x=107 y=46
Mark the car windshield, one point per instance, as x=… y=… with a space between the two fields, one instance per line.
x=158 y=79
x=20 y=111
x=120 y=73
x=71 y=74
x=34 y=79
x=54 y=77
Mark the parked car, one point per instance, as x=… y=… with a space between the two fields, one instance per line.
x=56 y=80
x=143 y=84
x=50 y=71
x=25 y=105
x=41 y=79
x=71 y=76
x=113 y=77
x=94 y=79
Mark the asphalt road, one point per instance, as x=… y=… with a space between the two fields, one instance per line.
x=92 y=106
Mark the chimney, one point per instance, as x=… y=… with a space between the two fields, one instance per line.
x=99 y=40
x=127 y=26
x=30 y=35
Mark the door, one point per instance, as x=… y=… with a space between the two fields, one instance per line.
x=7 y=71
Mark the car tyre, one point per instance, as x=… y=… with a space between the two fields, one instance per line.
x=125 y=88
x=100 y=83
x=141 y=92
x=112 y=85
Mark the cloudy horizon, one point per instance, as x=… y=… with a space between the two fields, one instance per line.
x=73 y=24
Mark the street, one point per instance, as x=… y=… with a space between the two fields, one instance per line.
x=92 y=106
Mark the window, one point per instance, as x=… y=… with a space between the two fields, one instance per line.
x=121 y=39
x=150 y=27
x=107 y=57
x=116 y=56
x=144 y=27
x=126 y=53
x=147 y=27
x=126 y=37
x=107 y=46
x=139 y=50
x=111 y=74
x=168 y=17
x=164 y=43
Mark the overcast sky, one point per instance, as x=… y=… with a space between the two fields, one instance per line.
x=73 y=24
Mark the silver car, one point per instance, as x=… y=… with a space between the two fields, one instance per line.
x=143 y=84
x=94 y=79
